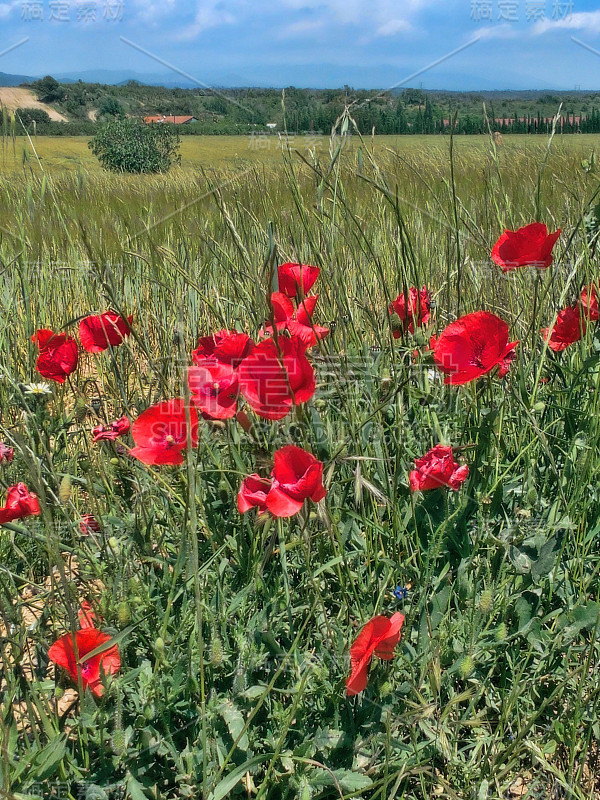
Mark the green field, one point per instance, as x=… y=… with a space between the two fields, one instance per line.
x=235 y=630
x=209 y=152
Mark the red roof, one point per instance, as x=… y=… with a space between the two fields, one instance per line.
x=174 y=120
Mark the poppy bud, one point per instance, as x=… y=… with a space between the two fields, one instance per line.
x=239 y=682
x=223 y=491
x=466 y=666
x=123 y=613
x=501 y=632
x=532 y=496
x=114 y=462
x=486 y=602
x=58 y=692
x=539 y=407
x=118 y=742
x=81 y=410
x=216 y=651
x=396 y=324
x=159 y=645
x=113 y=543
x=64 y=491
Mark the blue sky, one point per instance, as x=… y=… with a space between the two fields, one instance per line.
x=365 y=43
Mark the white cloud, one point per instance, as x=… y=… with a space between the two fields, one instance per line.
x=301 y=28
x=504 y=31
x=584 y=20
x=208 y=15
x=7 y=8
x=393 y=27
x=300 y=18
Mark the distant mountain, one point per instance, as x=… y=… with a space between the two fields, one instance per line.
x=302 y=76
x=14 y=80
x=119 y=77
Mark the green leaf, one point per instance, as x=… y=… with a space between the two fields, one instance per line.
x=520 y=561
x=135 y=790
x=235 y=722
x=46 y=761
x=524 y=611
x=348 y=780
x=546 y=559
x=229 y=782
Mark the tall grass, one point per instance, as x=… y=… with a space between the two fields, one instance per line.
x=235 y=634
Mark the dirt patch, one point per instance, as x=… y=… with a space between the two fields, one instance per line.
x=13 y=97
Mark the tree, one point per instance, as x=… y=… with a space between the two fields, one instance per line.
x=413 y=97
x=129 y=145
x=110 y=107
x=29 y=115
x=48 y=90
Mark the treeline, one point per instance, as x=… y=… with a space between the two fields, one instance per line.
x=242 y=111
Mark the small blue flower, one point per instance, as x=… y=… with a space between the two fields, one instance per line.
x=401 y=592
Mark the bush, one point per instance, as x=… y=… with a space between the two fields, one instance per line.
x=48 y=90
x=110 y=107
x=29 y=115
x=129 y=145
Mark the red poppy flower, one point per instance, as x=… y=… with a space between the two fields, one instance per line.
x=160 y=433
x=416 y=312
x=298 y=322
x=568 y=328
x=253 y=493
x=277 y=375
x=296 y=278
x=214 y=389
x=58 y=355
x=110 y=433
x=20 y=502
x=89 y=524
x=228 y=348
x=379 y=637
x=6 y=453
x=99 y=331
x=283 y=311
x=86 y=615
x=472 y=346
x=437 y=468
x=589 y=301
x=530 y=246
x=297 y=476
x=62 y=652
x=302 y=323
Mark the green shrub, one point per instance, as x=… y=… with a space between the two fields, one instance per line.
x=110 y=107
x=129 y=145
